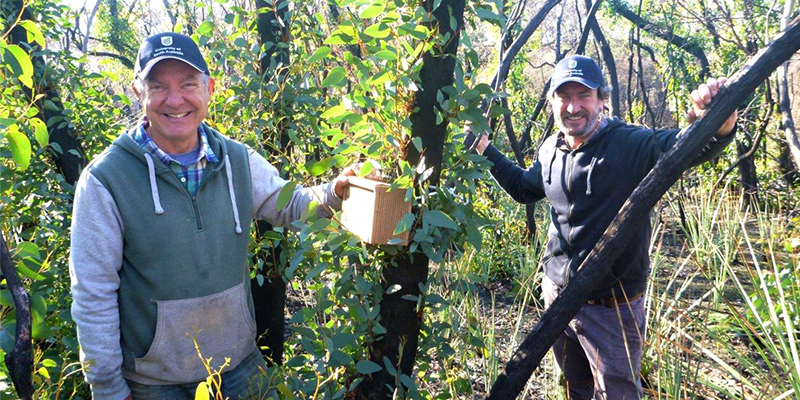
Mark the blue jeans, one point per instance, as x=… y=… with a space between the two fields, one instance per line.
x=243 y=382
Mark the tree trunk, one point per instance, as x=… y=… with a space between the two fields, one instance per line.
x=608 y=58
x=747 y=169
x=787 y=122
x=269 y=298
x=401 y=318
x=666 y=171
x=20 y=360
x=67 y=151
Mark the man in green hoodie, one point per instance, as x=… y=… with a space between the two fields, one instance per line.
x=161 y=221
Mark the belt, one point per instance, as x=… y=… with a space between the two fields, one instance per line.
x=610 y=302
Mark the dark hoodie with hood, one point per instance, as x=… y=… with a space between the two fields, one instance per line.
x=586 y=188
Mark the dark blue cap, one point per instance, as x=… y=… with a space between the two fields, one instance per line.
x=579 y=69
x=168 y=45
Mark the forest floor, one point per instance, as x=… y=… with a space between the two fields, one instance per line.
x=500 y=303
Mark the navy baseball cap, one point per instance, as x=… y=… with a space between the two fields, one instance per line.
x=579 y=69
x=168 y=45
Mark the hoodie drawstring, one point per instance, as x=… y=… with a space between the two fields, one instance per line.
x=151 y=169
x=589 y=177
x=550 y=168
x=233 y=195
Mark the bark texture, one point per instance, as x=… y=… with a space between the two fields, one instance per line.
x=20 y=360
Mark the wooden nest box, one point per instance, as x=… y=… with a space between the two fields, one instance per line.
x=371 y=212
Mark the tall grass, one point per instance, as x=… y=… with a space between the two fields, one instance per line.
x=722 y=303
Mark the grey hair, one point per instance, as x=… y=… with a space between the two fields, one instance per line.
x=604 y=92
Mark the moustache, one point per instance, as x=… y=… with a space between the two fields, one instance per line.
x=583 y=114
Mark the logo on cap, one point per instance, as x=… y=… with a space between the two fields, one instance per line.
x=573 y=63
x=166 y=40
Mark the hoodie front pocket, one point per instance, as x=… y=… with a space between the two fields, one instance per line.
x=221 y=326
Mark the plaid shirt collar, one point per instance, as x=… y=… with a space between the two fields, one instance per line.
x=144 y=140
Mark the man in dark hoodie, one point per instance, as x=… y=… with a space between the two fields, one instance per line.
x=160 y=230
x=587 y=170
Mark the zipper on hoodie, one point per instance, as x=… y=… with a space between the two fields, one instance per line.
x=197 y=217
x=570 y=161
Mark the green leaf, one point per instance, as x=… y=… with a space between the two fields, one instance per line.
x=319 y=167
x=417 y=141
x=20 y=147
x=404 y=224
x=367 y=367
x=393 y=289
x=319 y=54
x=387 y=55
x=40 y=131
x=344 y=34
x=334 y=112
x=34 y=33
x=286 y=194
x=440 y=219
x=335 y=76
x=373 y=10
x=26 y=250
x=206 y=28
x=365 y=169
x=474 y=235
x=23 y=62
x=378 y=31
x=38 y=308
x=5 y=299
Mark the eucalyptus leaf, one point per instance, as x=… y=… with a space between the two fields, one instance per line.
x=24 y=67
x=206 y=28
x=373 y=11
x=34 y=33
x=440 y=219
x=335 y=76
x=40 y=131
x=367 y=367
x=319 y=54
x=20 y=147
x=286 y=193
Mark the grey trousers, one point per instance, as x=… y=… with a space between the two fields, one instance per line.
x=600 y=352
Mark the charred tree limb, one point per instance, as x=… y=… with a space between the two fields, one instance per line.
x=122 y=59
x=666 y=34
x=667 y=170
x=68 y=151
x=520 y=157
x=785 y=102
x=608 y=60
x=502 y=72
x=20 y=360
x=590 y=19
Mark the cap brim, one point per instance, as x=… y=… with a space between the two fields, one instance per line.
x=578 y=79
x=146 y=70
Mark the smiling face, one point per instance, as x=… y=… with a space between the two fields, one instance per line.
x=576 y=109
x=175 y=97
